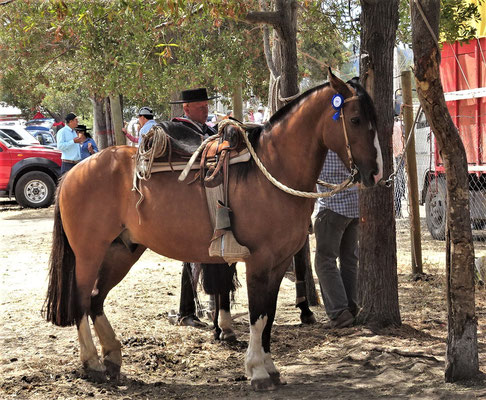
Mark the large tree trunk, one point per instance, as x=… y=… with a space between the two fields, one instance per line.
x=462 y=348
x=238 y=102
x=99 y=122
x=117 y=119
x=109 y=123
x=378 y=282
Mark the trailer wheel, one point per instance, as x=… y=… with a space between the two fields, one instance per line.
x=436 y=208
x=35 y=189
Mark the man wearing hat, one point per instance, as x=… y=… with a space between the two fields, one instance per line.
x=145 y=120
x=196 y=109
x=67 y=142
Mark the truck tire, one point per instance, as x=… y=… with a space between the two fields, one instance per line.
x=436 y=208
x=35 y=189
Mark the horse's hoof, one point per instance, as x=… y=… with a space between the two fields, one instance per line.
x=308 y=319
x=227 y=336
x=112 y=369
x=95 y=376
x=277 y=379
x=263 y=385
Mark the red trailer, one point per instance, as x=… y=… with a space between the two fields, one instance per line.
x=463 y=74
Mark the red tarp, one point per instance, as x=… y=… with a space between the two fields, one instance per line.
x=39 y=115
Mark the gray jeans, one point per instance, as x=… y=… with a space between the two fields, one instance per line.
x=337 y=236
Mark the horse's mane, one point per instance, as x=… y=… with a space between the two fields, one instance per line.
x=364 y=100
x=255 y=132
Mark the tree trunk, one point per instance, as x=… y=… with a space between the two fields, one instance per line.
x=117 y=119
x=109 y=123
x=462 y=347
x=99 y=122
x=287 y=33
x=377 y=277
x=238 y=103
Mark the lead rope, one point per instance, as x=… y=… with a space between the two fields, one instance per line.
x=310 y=195
x=401 y=159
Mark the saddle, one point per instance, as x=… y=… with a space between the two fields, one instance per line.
x=169 y=145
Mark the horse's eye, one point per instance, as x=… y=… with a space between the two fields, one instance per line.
x=355 y=120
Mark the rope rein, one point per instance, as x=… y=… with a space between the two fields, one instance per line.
x=310 y=195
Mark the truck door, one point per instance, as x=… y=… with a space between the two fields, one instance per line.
x=5 y=166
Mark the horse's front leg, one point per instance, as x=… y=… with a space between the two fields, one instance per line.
x=263 y=286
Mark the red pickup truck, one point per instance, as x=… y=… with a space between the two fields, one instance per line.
x=29 y=173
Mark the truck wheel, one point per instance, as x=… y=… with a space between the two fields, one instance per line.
x=436 y=208
x=35 y=189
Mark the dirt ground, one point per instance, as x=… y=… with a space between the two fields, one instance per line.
x=162 y=361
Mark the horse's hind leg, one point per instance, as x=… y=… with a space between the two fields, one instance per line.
x=116 y=264
x=263 y=286
x=300 y=262
x=87 y=266
x=225 y=321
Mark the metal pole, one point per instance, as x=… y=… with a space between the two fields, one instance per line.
x=413 y=196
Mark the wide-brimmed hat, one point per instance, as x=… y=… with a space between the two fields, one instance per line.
x=81 y=128
x=193 y=95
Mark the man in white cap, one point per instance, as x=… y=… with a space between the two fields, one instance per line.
x=145 y=120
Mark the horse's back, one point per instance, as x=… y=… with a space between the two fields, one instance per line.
x=94 y=192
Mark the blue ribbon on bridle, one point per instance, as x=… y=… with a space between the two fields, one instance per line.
x=337 y=102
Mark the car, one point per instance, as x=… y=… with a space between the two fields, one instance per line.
x=18 y=133
x=29 y=173
x=44 y=122
x=45 y=137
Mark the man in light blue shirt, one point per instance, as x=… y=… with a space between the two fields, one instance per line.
x=68 y=142
x=146 y=121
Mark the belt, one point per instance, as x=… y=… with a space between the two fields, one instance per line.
x=70 y=161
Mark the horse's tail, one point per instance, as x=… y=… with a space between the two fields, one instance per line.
x=219 y=278
x=60 y=304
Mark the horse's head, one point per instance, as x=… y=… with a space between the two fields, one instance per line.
x=355 y=118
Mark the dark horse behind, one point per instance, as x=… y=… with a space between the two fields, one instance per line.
x=96 y=216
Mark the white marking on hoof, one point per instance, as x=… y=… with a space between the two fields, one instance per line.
x=225 y=321
x=111 y=346
x=87 y=350
x=254 y=363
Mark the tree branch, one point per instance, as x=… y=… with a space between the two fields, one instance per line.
x=264 y=17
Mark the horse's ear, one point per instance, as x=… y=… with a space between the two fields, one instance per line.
x=338 y=85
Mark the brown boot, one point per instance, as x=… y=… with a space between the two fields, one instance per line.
x=343 y=320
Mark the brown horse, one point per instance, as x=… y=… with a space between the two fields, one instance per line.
x=99 y=234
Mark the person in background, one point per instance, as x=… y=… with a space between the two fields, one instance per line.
x=68 y=142
x=336 y=230
x=258 y=116
x=88 y=145
x=146 y=121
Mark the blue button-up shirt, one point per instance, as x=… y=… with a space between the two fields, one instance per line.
x=65 y=142
x=146 y=127
x=345 y=202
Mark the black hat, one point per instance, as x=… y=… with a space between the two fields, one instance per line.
x=146 y=112
x=70 y=117
x=193 y=95
x=81 y=128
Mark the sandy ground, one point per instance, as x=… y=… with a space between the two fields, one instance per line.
x=161 y=361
